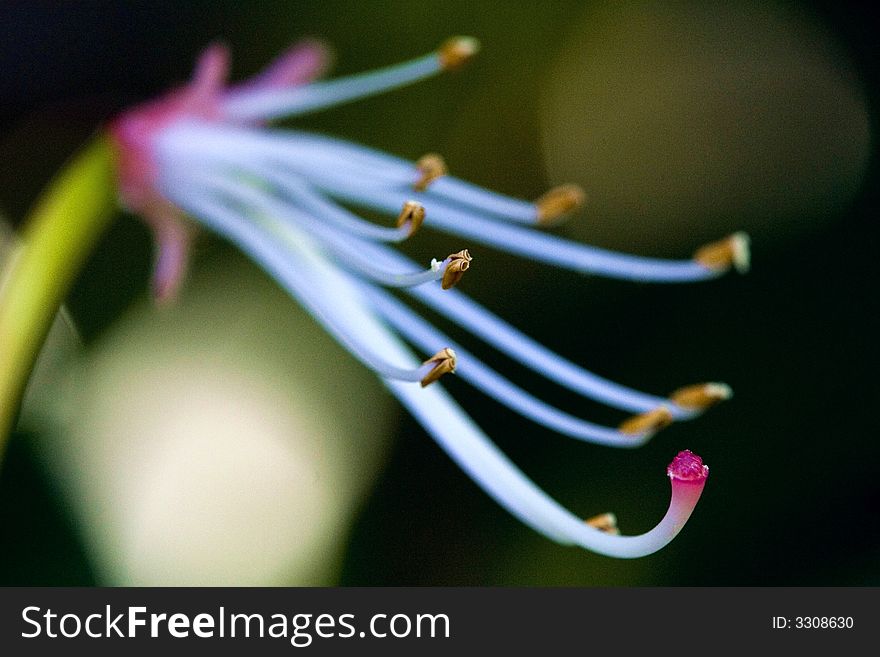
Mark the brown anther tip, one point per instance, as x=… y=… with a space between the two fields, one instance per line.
x=604 y=522
x=732 y=251
x=457 y=51
x=444 y=361
x=557 y=203
x=649 y=422
x=458 y=264
x=430 y=167
x=412 y=215
x=701 y=396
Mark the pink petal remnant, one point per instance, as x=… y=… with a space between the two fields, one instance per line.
x=133 y=135
x=134 y=132
x=173 y=236
x=687 y=466
x=303 y=62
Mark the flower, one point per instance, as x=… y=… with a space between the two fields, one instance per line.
x=204 y=151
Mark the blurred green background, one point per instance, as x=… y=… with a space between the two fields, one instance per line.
x=684 y=122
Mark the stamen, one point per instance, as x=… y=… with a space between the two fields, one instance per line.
x=454 y=430
x=604 y=522
x=261 y=151
x=443 y=363
x=475 y=317
x=557 y=203
x=701 y=396
x=340 y=217
x=349 y=251
x=469 y=446
x=296 y=187
x=264 y=104
x=458 y=264
x=509 y=340
x=304 y=152
x=730 y=251
x=524 y=242
x=476 y=199
x=288 y=255
x=411 y=217
x=650 y=422
x=253 y=151
x=425 y=336
x=430 y=167
x=457 y=51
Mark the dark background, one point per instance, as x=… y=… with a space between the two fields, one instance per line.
x=794 y=495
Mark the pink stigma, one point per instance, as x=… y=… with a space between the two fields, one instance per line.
x=687 y=466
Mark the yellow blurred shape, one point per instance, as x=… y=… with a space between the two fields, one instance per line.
x=227 y=441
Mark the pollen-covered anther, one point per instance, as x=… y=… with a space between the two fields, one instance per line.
x=732 y=251
x=455 y=52
x=557 y=203
x=701 y=396
x=430 y=167
x=457 y=265
x=412 y=215
x=444 y=363
x=604 y=522
x=649 y=422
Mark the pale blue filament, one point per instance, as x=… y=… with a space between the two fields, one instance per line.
x=477 y=455
x=248 y=150
x=344 y=247
x=473 y=197
x=359 y=255
x=299 y=267
x=499 y=477
x=398 y=172
x=299 y=191
x=486 y=325
x=480 y=321
x=202 y=145
x=266 y=104
x=537 y=246
x=469 y=368
x=310 y=153
x=350 y=323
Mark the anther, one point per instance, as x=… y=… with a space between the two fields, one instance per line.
x=732 y=251
x=412 y=215
x=444 y=363
x=558 y=202
x=604 y=522
x=457 y=51
x=701 y=396
x=649 y=422
x=458 y=264
x=430 y=167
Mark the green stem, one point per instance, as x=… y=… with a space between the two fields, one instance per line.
x=58 y=236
